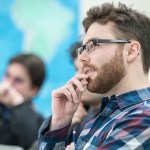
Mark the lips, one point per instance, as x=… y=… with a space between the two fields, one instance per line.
x=88 y=70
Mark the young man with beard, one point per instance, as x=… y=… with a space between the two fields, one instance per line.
x=115 y=56
x=19 y=121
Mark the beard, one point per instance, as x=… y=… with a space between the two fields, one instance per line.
x=108 y=75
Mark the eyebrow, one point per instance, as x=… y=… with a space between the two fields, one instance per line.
x=93 y=38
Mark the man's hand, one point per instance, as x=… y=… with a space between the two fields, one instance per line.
x=9 y=96
x=66 y=100
x=70 y=147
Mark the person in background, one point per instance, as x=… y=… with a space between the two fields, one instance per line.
x=90 y=102
x=116 y=59
x=19 y=120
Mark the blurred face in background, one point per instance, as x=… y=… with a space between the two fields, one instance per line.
x=87 y=97
x=18 y=78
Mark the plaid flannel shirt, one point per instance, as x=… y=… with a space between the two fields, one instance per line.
x=123 y=123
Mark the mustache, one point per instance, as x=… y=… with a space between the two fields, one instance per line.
x=89 y=66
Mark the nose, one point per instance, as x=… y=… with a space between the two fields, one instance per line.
x=84 y=57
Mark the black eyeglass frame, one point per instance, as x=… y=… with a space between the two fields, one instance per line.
x=95 y=41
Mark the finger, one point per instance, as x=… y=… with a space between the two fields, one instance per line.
x=79 y=93
x=73 y=92
x=77 y=84
x=4 y=93
x=68 y=94
x=67 y=148
x=84 y=82
x=79 y=77
x=70 y=147
x=63 y=91
x=4 y=89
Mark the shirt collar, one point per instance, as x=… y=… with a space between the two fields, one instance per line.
x=133 y=97
x=108 y=105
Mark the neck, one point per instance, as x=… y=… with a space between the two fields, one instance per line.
x=130 y=83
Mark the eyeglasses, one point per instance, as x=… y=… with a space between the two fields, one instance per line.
x=90 y=45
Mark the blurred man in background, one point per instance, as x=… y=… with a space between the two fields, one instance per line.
x=90 y=102
x=19 y=121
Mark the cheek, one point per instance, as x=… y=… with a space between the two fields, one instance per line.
x=100 y=59
x=21 y=88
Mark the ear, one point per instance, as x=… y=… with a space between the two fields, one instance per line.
x=133 y=50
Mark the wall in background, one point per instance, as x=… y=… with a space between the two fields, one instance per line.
x=46 y=28
x=142 y=6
